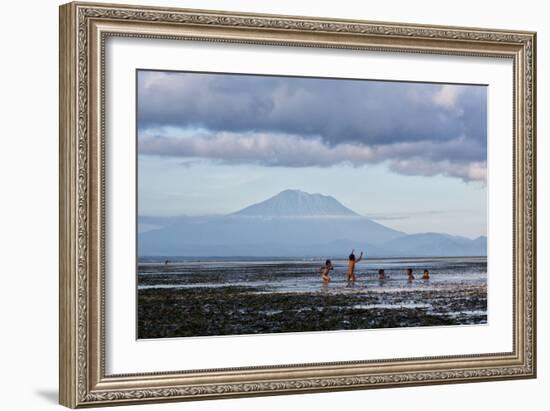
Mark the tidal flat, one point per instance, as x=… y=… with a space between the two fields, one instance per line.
x=214 y=298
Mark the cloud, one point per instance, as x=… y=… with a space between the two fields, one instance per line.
x=283 y=150
x=476 y=171
x=404 y=216
x=260 y=148
x=447 y=96
x=417 y=128
x=338 y=110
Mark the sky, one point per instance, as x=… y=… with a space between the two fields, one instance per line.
x=411 y=156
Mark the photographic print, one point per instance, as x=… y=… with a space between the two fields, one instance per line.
x=273 y=204
x=312 y=183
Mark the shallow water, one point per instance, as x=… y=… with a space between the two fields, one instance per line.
x=304 y=276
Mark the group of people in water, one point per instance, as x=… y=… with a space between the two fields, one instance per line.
x=350 y=274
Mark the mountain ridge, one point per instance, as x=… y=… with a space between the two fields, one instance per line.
x=293 y=223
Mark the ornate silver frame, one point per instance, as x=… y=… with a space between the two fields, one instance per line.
x=83 y=30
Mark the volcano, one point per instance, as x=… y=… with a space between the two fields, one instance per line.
x=292 y=223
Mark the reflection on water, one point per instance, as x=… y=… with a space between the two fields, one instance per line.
x=304 y=276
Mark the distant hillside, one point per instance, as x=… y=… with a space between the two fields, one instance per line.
x=292 y=224
x=435 y=244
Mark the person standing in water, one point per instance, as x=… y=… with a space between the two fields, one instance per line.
x=325 y=271
x=426 y=275
x=351 y=266
x=410 y=275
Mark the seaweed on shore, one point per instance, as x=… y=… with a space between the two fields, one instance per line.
x=232 y=310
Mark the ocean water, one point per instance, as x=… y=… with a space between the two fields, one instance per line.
x=299 y=276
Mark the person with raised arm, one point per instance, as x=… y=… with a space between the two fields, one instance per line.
x=351 y=265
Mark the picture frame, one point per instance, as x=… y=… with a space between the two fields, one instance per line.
x=84 y=30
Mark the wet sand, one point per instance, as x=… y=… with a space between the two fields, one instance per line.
x=164 y=310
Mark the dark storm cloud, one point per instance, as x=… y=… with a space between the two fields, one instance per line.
x=297 y=122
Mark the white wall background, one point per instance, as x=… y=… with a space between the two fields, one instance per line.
x=28 y=205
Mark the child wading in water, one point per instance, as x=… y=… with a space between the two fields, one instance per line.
x=410 y=275
x=325 y=270
x=426 y=275
x=351 y=266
